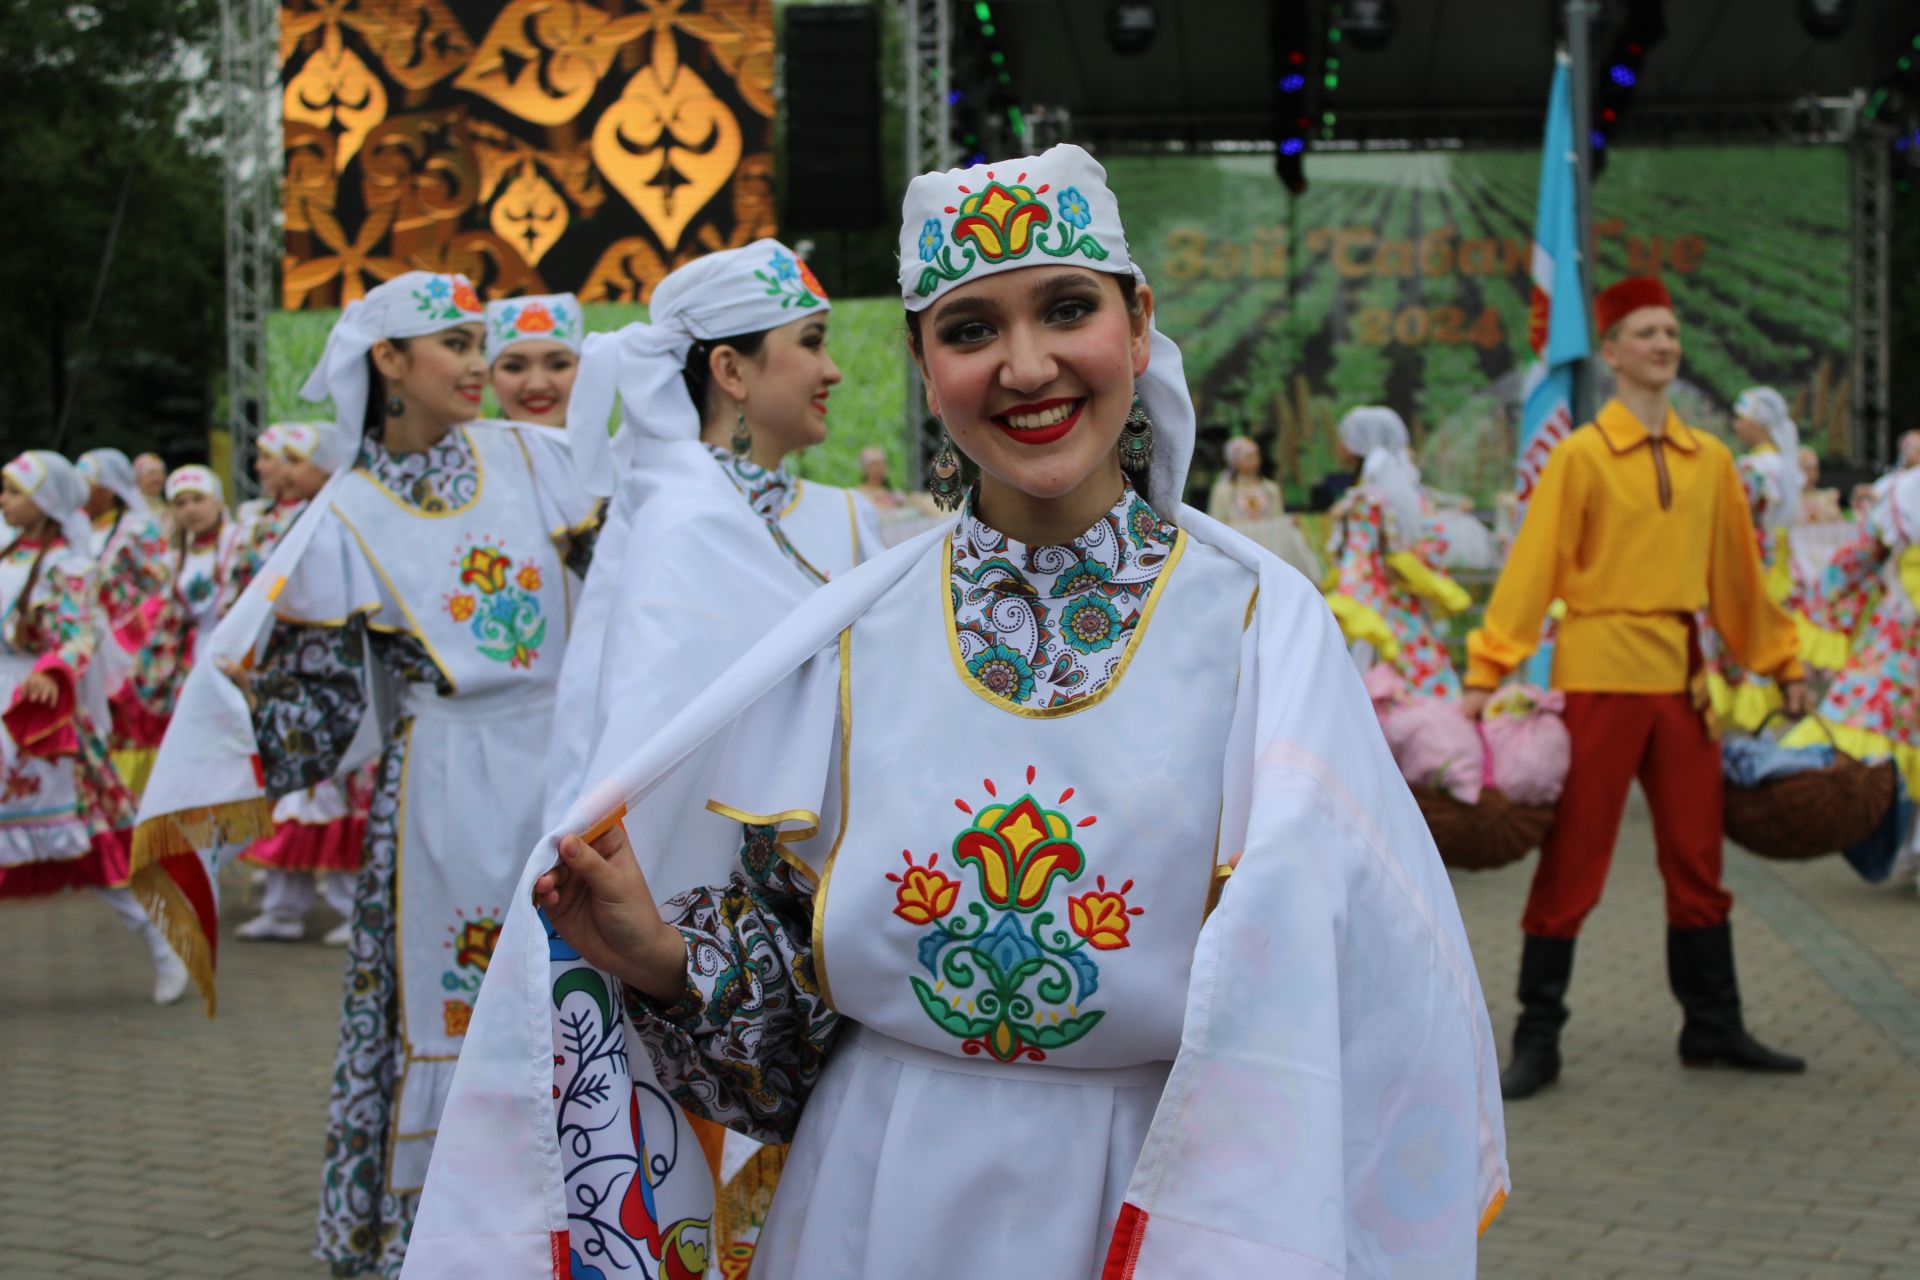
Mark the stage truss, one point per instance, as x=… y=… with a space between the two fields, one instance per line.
x=927 y=30
x=251 y=133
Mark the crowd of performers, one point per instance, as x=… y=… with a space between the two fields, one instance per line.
x=1063 y=843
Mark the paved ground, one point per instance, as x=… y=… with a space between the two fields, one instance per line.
x=197 y=1148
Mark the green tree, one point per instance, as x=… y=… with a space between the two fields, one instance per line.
x=109 y=153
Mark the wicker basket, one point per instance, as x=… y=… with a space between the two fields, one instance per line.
x=1811 y=814
x=1480 y=837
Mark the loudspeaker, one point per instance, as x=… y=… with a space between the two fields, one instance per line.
x=833 y=117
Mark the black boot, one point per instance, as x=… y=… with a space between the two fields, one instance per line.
x=1700 y=967
x=1546 y=966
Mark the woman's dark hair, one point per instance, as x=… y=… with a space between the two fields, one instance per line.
x=698 y=374
x=1129 y=294
x=374 y=423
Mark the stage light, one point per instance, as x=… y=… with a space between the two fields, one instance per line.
x=1292 y=147
x=1370 y=23
x=1132 y=25
x=1623 y=76
x=1598 y=139
x=981 y=11
x=1290 y=39
x=1293 y=84
x=1825 y=19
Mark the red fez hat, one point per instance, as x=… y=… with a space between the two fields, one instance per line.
x=1614 y=304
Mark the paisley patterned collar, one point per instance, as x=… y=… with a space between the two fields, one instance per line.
x=767 y=491
x=440 y=478
x=1041 y=627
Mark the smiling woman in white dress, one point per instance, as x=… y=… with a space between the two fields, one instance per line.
x=976 y=952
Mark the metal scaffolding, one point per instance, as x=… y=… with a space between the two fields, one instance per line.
x=1872 y=227
x=249 y=76
x=927 y=27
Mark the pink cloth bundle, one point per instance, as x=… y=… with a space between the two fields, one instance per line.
x=1528 y=749
x=1434 y=745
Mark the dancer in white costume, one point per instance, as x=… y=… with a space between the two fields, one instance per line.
x=131 y=553
x=729 y=378
x=429 y=572
x=65 y=816
x=533 y=355
x=969 y=956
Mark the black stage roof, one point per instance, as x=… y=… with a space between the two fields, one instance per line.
x=1476 y=70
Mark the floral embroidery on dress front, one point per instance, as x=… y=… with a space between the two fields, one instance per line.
x=1048 y=626
x=1006 y=981
x=502 y=608
x=472 y=942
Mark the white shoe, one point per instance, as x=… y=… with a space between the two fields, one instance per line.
x=169 y=978
x=271 y=928
x=339 y=934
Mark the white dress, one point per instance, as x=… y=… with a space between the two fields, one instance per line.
x=1008 y=901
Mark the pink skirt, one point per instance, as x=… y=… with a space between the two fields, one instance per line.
x=103 y=867
x=302 y=846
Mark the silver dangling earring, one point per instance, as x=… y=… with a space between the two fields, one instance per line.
x=742 y=441
x=1136 y=441
x=944 y=481
x=396 y=407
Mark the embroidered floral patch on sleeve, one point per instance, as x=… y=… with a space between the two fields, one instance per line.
x=1007 y=981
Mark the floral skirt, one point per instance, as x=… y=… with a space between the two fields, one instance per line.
x=363 y=1225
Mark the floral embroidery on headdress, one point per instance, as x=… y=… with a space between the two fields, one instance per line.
x=791 y=280
x=1003 y=221
x=449 y=298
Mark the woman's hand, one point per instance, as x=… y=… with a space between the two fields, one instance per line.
x=41 y=689
x=242 y=680
x=598 y=900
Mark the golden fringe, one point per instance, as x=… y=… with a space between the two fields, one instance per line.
x=743 y=1202
x=174 y=916
x=190 y=830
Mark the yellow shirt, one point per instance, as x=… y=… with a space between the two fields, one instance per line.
x=1636 y=535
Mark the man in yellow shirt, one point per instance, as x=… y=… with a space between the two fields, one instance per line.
x=1638 y=525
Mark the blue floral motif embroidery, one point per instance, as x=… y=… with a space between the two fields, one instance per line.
x=791 y=281
x=1074 y=208
x=931 y=238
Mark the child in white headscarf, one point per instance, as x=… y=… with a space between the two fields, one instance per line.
x=965 y=949
x=1383 y=581
x=65 y=816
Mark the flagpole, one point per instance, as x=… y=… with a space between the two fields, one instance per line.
x=1580 y=84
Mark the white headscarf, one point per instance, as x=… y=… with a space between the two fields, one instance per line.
x=309 y=442
x=1896 y=515
x=411 y=305
x=59 y=490
x=721 y=295
x=1378 y=436
x=966 y=224
x=546 y=317
x=1768 y=407
x=194 y=479
x=112 y=470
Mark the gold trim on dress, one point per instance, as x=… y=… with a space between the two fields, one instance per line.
x=853 y=527
x=326 y=622
x=1091 y=700
x=1252 y=600
x=799 y=487
x=818 y=936
x=807 y=816
x=480 y=485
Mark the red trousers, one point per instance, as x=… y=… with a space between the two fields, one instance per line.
x=1617 y=737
